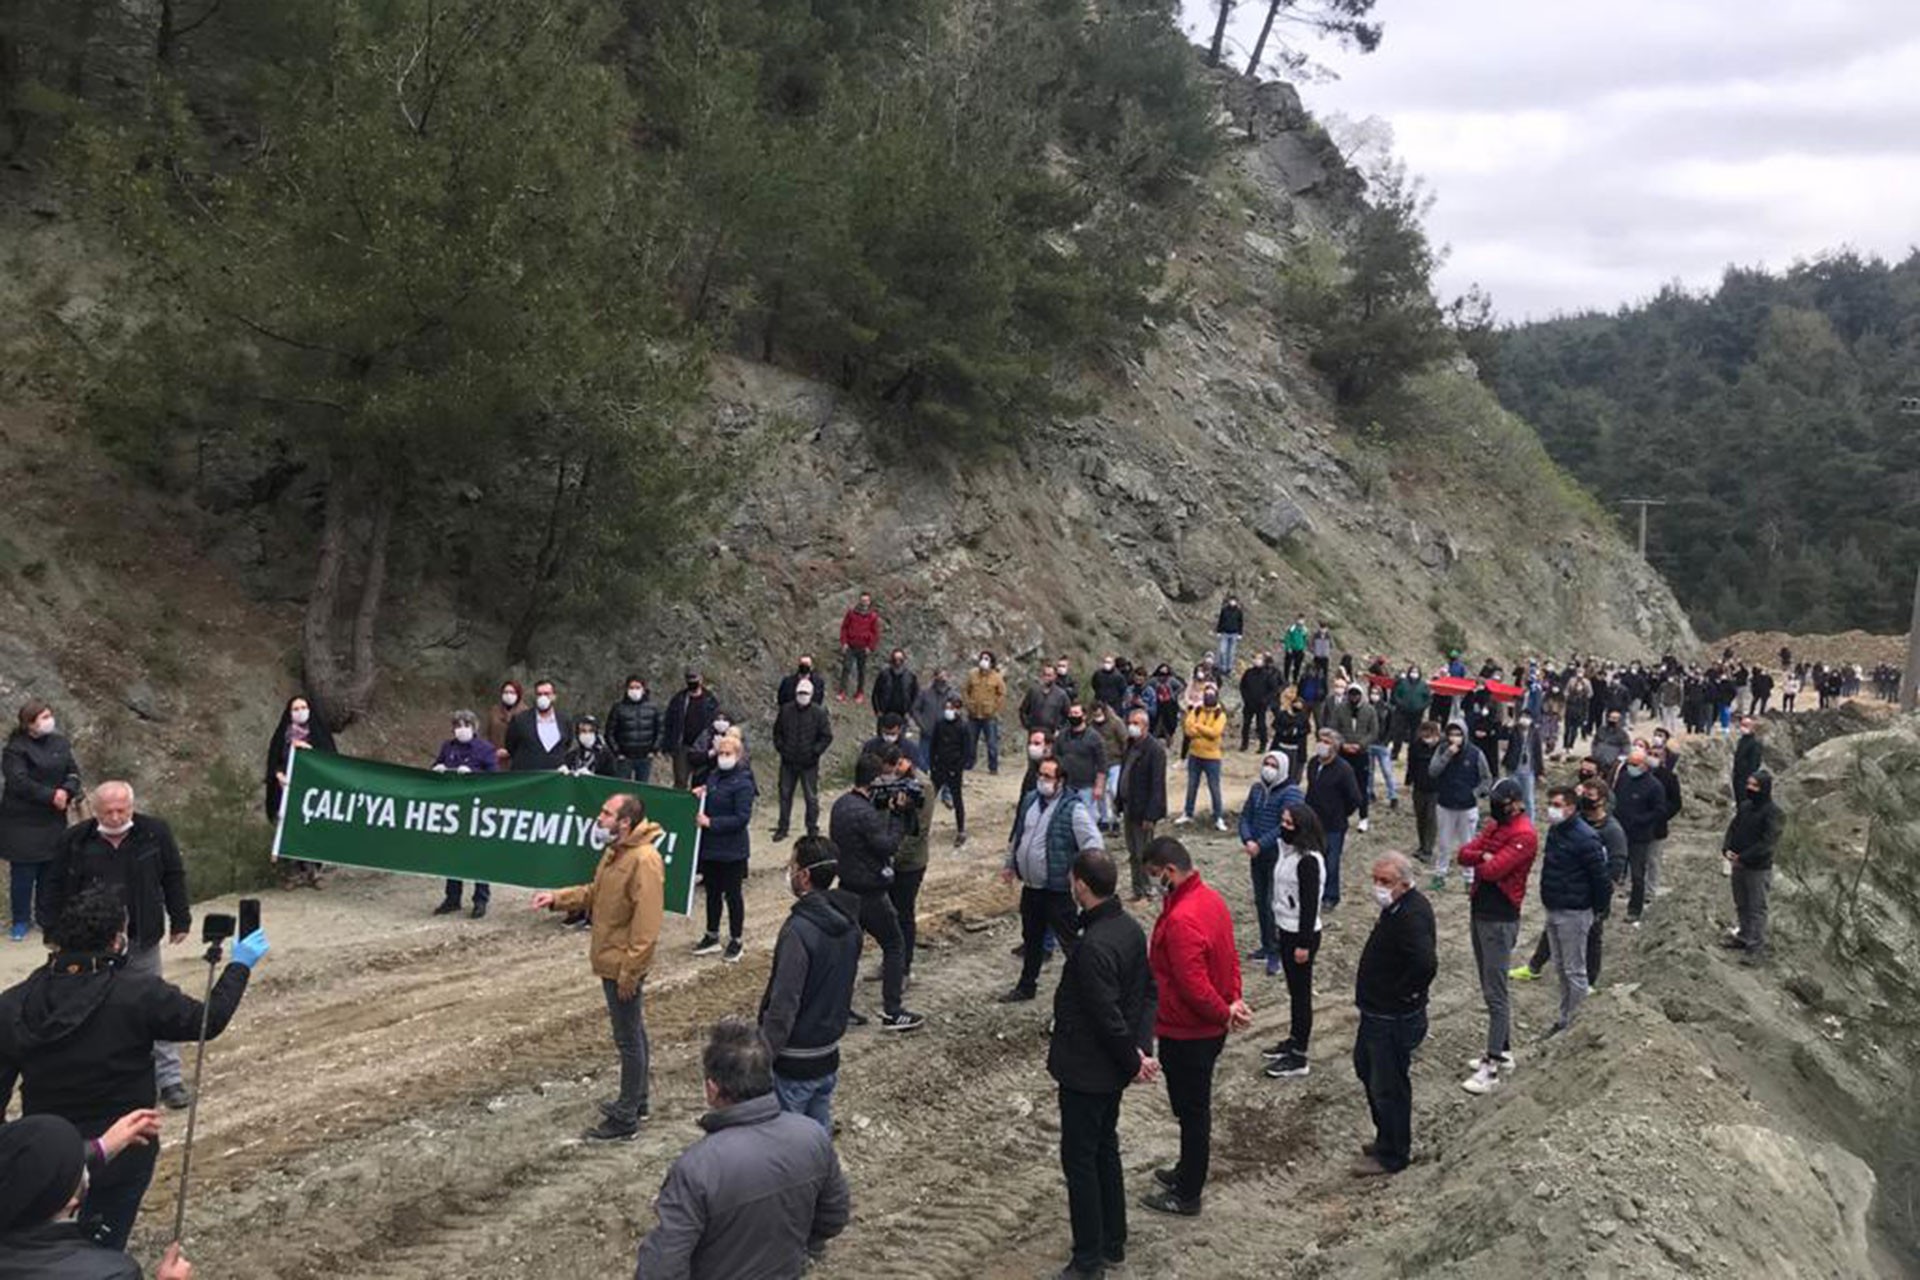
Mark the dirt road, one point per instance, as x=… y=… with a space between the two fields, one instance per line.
x=400 y=1098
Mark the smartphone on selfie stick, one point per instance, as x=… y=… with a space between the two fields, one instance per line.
x=214 y=931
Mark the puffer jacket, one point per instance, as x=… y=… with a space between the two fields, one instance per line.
x=633 y=728
x=1260 y=815
x=1573 y=871
x=627 y=903
x=729 y=807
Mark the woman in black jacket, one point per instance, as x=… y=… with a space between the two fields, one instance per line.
x=301 y=728
x=947 y=763
x=41 y=782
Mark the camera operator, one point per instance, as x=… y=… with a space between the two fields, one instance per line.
x=900 y=792
x=79 y=1035
x=45 y=1170
x=867 y=832
x=133 y=854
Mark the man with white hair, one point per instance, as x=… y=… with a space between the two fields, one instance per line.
x=1390 y=987
x=135 y=855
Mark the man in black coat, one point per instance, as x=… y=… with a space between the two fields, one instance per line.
x=1390 y=987
x=1333 y=793
x=690 y=713
x=1142 y=801
x=868 y=837
x=133 y=856
x=803 y=673
x=538 y=736
x=1102 y=1042
x=1747 y=755
x=1258 y=689
x=79 y=1033
x=633 y=730
x=802 y=733
x=896 y=688
x=1752 y=837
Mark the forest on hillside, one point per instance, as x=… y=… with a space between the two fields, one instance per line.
x=1778 y=416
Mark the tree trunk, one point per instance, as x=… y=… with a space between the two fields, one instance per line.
x=520 y=637
x=79 y=37
x=163 y=37
x=319 y=662
x=1260 y=45
x=366 y=663
x=1219 y=33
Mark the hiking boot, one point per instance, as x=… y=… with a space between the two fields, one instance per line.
x=1019 y=995
x=1485 y=1079
x=902 y=1021
x=1278 y=1051
x=1522 y=973
x=176 y=1097
x=732 y=954
x=1292 y=1065
x=1168 y=1202
x=447 y=907
x=479 y=911
x=708 y=944
x=612 y=1130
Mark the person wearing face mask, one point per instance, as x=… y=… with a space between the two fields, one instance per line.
x=1206 y=730
x=1419 y=780
x=706 y=748
x=539 y=736
x=1575 y=890
x=725 y=814
x=947 y=763
x=803 y=673
x=1292 y=730
x=1660 y=763
x=1293 y=648
x=500 y=718
x=1501 y=858
x=1747 y=755
x=1390 y=988
x=985 y=695
x=1050 y=828
x=1611 y=743
x=1379 y=754
x=1110 y=684
x=690 y=716
x=1333 y=793
x=1141 y=795
x=626 y=903
x=1412 y=695
x=1082 y=754
x=588 y=752
x=1298 y=876
x=868 y=838
x=465 y=752
x=79 y=1035
x=896 y=688
x=1321 y=647
x=1748 y=848
x=1063 y=676
x=1045 y=706
x=134 y=856
x=1112 y=729
x=1640 y=803
x=1259 y=687
x=1526 y=757
x=1227 y=630
x=809 y=997
x=859 y=638
x=300 y=729
x=633 y=730
x=802 y=732
x=891 y=734
x=46 y=1171
x=1460 y=777
x=1260 y=819
x=1593 y=799
x=1196 y=979
x=42 y=782
x=930 y=703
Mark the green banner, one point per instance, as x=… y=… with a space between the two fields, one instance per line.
x=535 y=830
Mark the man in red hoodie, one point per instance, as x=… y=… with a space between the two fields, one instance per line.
x=1196 y=968
x=1499 y=859
x=859 y=637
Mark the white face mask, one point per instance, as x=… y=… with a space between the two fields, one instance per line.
x=986 y=664
x=1106 y=666
x=1047 y=787
x=1135 y=731
x=1383 y=895
x=889 y=737
x=508 y=697
x=635 y=693
x=1036 y=753
x=588 y=739
x=300 y=715
x=1556 y=815
x=721 y=725
x=1269 y=774
x=118 y=831
x=803 y=695
x=726 y=762
x=543 y=701
x=1326 y=751
x=949 y=714
x=598 y=836
x=463 y=733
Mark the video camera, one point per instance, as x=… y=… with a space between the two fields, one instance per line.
x=887 y=792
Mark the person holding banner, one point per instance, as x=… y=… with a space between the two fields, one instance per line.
x=626 y=903
x=299 y=729
x=466 y=752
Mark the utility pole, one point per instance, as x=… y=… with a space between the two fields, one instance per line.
x=1910 y=686
x=1643 y=504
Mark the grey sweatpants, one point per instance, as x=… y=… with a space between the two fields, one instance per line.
x=1453 y=828
x=1493 y=942
x=1567 y=938
x=1750 y=890
x=166 y=1054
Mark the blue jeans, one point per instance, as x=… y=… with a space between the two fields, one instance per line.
x=990 y=730
x=1381 y=757
x=27 y=877
x=1224 y=653
x=810 y=1098
x=1210 y=770
x=1336 y=843
x=1104 y=810
x=640 y=770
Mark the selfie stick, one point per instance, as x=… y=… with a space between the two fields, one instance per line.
x=193 y=1106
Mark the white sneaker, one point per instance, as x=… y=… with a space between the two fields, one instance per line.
x=1363 y=825
x=1485 y=1079
x=1219 y=824
x=1504 y=1061
x=1182 y=820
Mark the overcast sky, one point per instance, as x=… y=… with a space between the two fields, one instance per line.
x=1585 y=154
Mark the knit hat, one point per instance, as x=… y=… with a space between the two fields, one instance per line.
x=41 y=1158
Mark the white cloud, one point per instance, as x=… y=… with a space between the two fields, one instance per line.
x=1585 y=155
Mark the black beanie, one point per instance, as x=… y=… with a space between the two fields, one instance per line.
x=41 y=1158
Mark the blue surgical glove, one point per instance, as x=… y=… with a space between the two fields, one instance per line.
x=249 y=949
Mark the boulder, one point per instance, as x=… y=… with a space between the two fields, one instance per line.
x=1280 y=520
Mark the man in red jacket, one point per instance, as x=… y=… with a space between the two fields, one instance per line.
x=1499 y=859
x=1196 y=968
x=859 y=637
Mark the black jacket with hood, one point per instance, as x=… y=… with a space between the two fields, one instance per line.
x=809 y=994
x=1754 y=832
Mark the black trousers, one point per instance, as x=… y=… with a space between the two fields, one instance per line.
x=1425 y=821
x=1291 y=667
x=1188 y=1067
x=1637 y=870
x=1361 y=762
x=953 y=782
x=1299 y=984
x=114 y=1197
x=1041 y=910
x=808 y=780
x=1253 y=724
x=881 y=923
x=1096 y=1189
x=905 y=893
x=1383 y=1059
x=723 y=881
x=482 y=891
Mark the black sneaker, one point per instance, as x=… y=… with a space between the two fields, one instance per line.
x=479 y=911
x=781 y=834
x=732 y=954
x=856 y=1019
x=1168 y=1177
x=1019 y=949
x=1167 y=1202
x=447 y=907
x=612 y=1130
x=901 y=1021
x=1278 y=1051
x=610 y=1108
x=1015 y=996
x=1292 y=1065
x=176 y=1097
x=708 y=944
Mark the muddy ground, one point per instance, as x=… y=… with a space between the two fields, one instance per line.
x=401 y=1098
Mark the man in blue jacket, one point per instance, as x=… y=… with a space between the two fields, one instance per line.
x=1574 y=887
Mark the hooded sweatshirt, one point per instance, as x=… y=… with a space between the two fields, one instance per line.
x=1755 y=830
x=809 y=994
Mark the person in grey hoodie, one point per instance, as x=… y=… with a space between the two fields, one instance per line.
x=761 y=1193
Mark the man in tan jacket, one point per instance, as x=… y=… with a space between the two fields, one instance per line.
x=626 y=901
x=984 y=693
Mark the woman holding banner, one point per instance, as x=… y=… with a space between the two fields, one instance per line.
x=466 y=752
x=300 y=729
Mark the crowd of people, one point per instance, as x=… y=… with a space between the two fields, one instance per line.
x=1472 y=750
